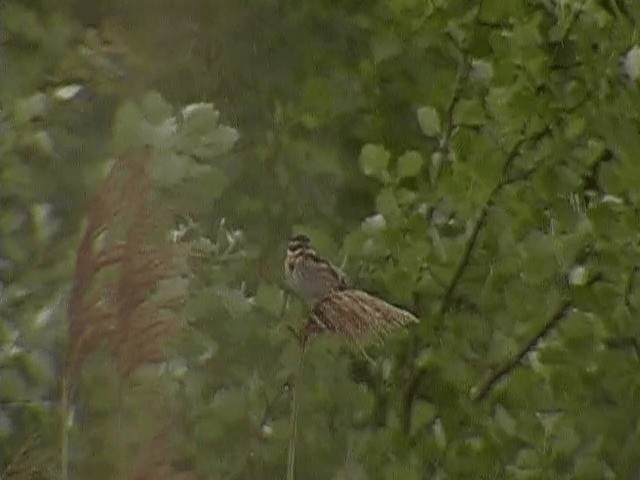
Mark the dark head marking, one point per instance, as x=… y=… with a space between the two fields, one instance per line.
x=300 y=238
x=297 y=242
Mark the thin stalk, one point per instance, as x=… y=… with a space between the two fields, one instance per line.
x=121 y=449
x=64 y=427
x=295 y=404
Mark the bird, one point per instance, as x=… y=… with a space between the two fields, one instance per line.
x=309 y=274
x=335 y=306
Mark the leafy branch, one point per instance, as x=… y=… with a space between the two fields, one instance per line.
x=447 y=124
x=481 y=391
x=414 y=376
x=442 y=151
x=481 y=217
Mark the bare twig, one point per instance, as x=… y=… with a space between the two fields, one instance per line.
x=628 y=288
x=481 y=391
x=447 y=122
x=466 y=255
x=408 y=397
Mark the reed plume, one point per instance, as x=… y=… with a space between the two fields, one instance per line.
x=144 y=318
x=354 y=314
x=122 y=261
x=90 y=315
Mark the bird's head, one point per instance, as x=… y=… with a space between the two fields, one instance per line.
x=298 y=242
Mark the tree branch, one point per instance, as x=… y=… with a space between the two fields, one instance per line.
x=481 y=391
x=447 y=123
x=408 y=396
x=464 y=258
x=628 y=288
x=515 y=151
x=414 y=378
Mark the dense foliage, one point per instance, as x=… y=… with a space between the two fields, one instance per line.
x=474 y=162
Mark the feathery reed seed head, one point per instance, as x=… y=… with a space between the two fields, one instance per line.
x=355 y=314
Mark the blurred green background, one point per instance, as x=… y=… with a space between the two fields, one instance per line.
x=473 y=161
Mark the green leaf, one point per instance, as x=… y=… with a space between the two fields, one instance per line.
x=575 y=126
x=234 y=301
x=30 y=108
x=220 y=140
x=156 y=108
x=12 y=385
x=402 y=469
x=385 y=46
x=494 y=11
x=44 y=225
x=374 y=223
x=528 y=459
x=387 y=205
x=481 y=71
x=374 y=160
x=170 y=168
x=200 y=116
x=505 y=421
x=564 y=439
x=631 y=63
x=409 y=164
x=202 y=135
x=67 y=92
x=269 y=298
x=469 y=112
x=429 y=121
x=18 y=19
x=36 y=366
x=41 y=142
x=423 y=414
x=126 y=127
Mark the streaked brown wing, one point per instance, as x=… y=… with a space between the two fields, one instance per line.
x=332 y=274
x=355 y=314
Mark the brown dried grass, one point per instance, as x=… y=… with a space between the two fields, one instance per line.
x=122 y=260
x=355 y=315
